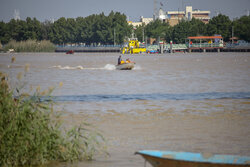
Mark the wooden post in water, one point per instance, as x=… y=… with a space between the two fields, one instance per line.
x=171 y=46
x=161 y=48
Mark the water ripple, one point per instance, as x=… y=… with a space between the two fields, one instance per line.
x=153 y=96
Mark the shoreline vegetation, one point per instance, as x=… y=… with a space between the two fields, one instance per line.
x=32 y=133
x=30 y=46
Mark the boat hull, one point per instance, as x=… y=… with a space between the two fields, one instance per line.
x=185 y=159
x=125 y=66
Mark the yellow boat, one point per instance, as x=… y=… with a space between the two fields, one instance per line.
x=133 y=47
x=125 y=66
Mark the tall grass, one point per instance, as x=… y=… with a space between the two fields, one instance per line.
x=30 y=46
x=32 y=133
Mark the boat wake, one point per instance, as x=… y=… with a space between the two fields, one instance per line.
x=68 y=67
x=109 y=67
x=106 y=67
x=137 y=67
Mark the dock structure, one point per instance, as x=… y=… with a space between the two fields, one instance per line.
x=88 y=48
x=237 y=47
x=205 y=43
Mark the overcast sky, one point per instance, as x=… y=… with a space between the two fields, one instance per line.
x=54 y=9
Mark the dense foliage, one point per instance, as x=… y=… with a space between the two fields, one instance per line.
x=91 y=29
x=242 y=28
x=222 y=25
x=31 y=132
x=101 y=29
x=187 y=28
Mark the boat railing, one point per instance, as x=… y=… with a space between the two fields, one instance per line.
x=238 y=45
x=206 y=45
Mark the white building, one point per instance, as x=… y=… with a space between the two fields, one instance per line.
x=142 y=20
x=146 y=20
x=162 y=15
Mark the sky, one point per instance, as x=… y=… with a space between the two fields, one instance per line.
x=133 y=9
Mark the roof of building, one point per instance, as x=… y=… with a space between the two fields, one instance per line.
x=175 y=12
x=200 y=11
x=206 y=37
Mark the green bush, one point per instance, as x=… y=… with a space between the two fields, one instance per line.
x=30 y=46
x=31 y=132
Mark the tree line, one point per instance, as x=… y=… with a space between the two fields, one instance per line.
x=92 y=29
x=114 y=28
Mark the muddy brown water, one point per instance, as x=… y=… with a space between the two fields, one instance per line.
x=181 y=102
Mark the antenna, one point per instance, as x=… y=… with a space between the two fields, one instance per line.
x=16 y=14
x=114 y=36
x=155 y=9
x=247 y=12
x=217 y=12
x=182 y=5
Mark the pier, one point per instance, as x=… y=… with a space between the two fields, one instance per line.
x=106 y=48
x=167 y=48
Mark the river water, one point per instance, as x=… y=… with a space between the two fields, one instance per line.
x=197 y=102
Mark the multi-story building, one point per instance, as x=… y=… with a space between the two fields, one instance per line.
x=175 y=16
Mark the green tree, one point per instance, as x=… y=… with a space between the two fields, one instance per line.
x=80 y=26
x=121 y=27
x=159 y=29
x=59 y=33
x=221 y=25
x=15 y=29
x=242 y=28
x=4 y=34
x=32 y=29
x=186 y=28
x=139 y=30
x=46 y=28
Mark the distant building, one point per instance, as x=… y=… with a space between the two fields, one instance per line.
x=173 y=17
x=146 y=20
x=162 y=15
x=142 y=20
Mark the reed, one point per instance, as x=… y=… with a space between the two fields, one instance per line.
x=32 y=133
x=30 y=46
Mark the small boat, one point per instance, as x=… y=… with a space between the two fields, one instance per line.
x=125 y=66
x=70 y=52
x=188 y=159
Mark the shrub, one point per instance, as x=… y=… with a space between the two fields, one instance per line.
x=30 y=46
x=31 y=132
